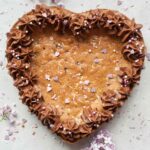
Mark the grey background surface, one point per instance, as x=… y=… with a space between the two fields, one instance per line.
x=130 y=128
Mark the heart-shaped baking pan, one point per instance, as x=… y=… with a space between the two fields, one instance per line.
x=74 y=70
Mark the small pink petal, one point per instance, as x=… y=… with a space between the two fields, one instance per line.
x=104 y=51
x=148 y=56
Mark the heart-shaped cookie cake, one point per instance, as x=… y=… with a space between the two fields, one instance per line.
x=74 y=70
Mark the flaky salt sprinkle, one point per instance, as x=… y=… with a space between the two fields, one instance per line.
x=132 y=51
x=54 y=97
x=89 y=50
x=85 y=96
x=67 y=101
x=137 y=60
x=27 y=66
x=56 y=54
x=86 y=82
x=44 y=14
x=47 y=77
x=125 y=77
x=49 y=88
x=110 y=76
x=114 y=50
x=109 y=21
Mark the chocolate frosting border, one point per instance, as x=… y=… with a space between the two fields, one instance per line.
x=19 y=58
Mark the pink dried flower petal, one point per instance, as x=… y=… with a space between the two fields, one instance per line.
x=10 y=133
x=119 y=2
x=148 y=56
x=102 y=141
x=93 y=90
x=104 y=51
x=12 y=121
x=14 y=114
x=110 y=76
x=55 y=78
x=6 y=137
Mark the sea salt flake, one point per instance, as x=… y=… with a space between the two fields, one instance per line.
x=89 y=50
x=51 y=125
x=44 y=14
x=27 y=66
x=67 y=101
x=19 y=48
x=69 y=132
x=114 y=50
x=132 y=51
x=86 y=82
x=56 y=54
x=110 y=76
x=109 y=21
x=49 y=88
x=125 y=77
x=137 y=60
x=54 y=97
x=47 y=77
x=85 y=96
